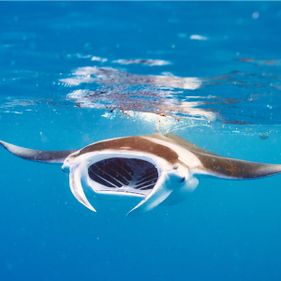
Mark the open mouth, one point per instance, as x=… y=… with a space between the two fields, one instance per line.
x=125 y=175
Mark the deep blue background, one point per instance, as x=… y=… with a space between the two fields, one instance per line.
x=225 y=230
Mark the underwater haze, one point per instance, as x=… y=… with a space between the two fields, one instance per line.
x=75 y=73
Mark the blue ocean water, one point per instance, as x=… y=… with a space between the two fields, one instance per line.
x=75 y=73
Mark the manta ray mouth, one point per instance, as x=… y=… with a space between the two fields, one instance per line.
x=127 y=175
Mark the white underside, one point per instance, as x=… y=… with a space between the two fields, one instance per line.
x=169 y=180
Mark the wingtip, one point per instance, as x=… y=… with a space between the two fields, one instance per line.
x=9 y=147
x=3 y=144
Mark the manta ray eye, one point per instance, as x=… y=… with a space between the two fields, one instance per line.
x=124 y=172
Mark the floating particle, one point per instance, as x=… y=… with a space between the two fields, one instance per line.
x=255 y=15
x=198 y=37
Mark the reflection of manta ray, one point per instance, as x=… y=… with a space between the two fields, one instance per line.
x=149 y=167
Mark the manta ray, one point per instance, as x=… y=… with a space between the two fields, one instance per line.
x=150 y=167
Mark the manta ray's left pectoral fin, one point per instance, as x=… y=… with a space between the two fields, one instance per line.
x=217 y=166
x=37 y=155
x=223 y=167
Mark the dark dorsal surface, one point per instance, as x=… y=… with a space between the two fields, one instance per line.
x=133 y=143
x=124 y=172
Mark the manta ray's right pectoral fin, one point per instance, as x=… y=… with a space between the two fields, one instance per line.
x=36 y=155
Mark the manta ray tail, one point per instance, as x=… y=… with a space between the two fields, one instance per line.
x=36 y=155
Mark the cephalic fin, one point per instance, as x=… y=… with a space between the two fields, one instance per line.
x=182 y=180
x=77 y=189
x=159 y=194
x=37 y=155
